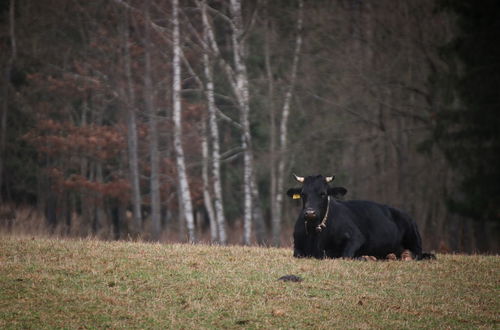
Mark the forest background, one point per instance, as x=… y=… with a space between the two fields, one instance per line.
x=183 y=121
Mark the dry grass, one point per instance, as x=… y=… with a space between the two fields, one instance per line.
x=47 y=283
x=28 y=221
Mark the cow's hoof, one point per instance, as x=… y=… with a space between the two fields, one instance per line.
x=406 y=255
x=391 y=256
x=368 y=258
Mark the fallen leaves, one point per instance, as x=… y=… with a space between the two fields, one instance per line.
x=278 y=312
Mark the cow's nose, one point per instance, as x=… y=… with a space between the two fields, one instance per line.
x=309 y=214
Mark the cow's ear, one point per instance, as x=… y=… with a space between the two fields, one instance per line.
x=294 y=192
x=337 y=191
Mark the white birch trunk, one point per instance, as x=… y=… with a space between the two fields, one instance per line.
x=132 y=134
x=214 y=132
x=185 y=195
x=259 y=224
x=207 y=197
x=243 y=97
x=276 y=222
x=154 y=179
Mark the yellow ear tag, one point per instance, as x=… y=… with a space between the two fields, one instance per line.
x=296 y=196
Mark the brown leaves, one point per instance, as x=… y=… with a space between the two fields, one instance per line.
x=64 y=138
x=278 y=312
x=118 y=188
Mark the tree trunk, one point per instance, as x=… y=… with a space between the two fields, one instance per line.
x=84 y=162
x=284 y=132
x=5 y=106
x=243 y=96
x=133 y=159
x=102 y=224
x=207 y=197
x=214 y=132
x=258 y=215
x=185 y=194
x=154 y=179
x=272 y=128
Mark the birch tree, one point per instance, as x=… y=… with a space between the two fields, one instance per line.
x=213 y=128
x=207 y=197
x=238 y=79
x=185 y=195
x=283 y=131
x=243 y=98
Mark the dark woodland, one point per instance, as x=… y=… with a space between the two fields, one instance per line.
x=183 y=121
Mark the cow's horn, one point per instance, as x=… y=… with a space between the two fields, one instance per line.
x=329 y=178
x=298 y=178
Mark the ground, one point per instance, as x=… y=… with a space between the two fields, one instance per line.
x=47 y=283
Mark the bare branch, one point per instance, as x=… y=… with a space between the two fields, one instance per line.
x=228 y=119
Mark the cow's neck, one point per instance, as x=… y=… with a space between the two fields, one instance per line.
x=322 y=224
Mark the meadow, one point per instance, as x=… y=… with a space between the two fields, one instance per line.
x=57 y=283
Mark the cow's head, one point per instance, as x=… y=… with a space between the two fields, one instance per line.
x=314 y=194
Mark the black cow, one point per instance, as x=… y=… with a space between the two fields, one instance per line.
x=332 y=228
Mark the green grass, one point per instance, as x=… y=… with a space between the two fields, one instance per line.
x=94 y=284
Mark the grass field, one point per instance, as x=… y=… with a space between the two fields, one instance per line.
x=95 y=284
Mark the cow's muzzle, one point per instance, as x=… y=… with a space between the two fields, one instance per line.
x=309 y=214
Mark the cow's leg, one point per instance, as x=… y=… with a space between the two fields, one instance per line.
x=298 y=253
x=299 y=241
x=331 y=253
x=298 y=249
x=412 y=241
x=319 y=253
x=352 y=246
x=314 y=247
x=411 y=237
x=308 y=248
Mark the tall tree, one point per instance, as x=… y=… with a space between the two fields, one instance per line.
x=283 y=132
x=243 y=98
x=213 y=127
x=154 y=179
x=132 y=139
x=276 y=222
x=185 y=194
x=9 y=68
x=468 y=129
x=207 y=196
